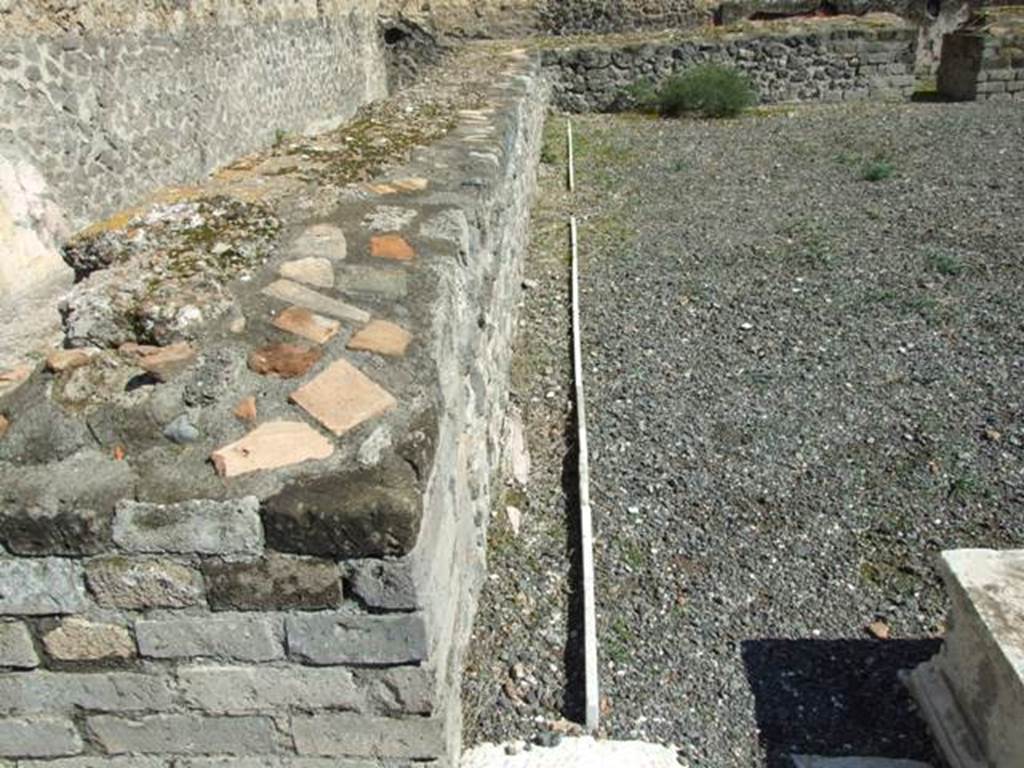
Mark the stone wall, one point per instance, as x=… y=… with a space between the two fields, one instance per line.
x=984 y=62
x=307 y=596
x=505 y=18
x=835 y=60
x=112 y=100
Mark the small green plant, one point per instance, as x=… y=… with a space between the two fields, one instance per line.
x=948 y=264
x=711 y=90
x=279 y=136
x=642 y=95
x=877 y=170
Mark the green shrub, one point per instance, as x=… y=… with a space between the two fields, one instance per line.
x=711 y=90
x=877 y=170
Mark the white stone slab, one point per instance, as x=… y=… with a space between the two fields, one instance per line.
x=582 y=752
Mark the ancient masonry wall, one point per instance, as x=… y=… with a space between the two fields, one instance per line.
x=816 y=62
x=307 y=612
x=114 y=99
x=980 y=66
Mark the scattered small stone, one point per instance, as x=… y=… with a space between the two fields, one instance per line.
x=518 y=671
x=512 y=749
x=312 y=270
x=287 y=361
x=246 y=409
x=237 y=325
x=61 y=360
x=878 y=629
x=993 y=435
x=515 y=519
x=271 y=446
x=78 y=639
x=166 y=362
x=530 y=285
x=306 y=324
x=381 y=337
x=393 y=247
x=372 y=449
x=181 y=431
x=548 y=739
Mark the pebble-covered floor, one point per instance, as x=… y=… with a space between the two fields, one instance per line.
x=803 y=384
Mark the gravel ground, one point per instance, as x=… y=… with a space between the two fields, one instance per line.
x=802 y=385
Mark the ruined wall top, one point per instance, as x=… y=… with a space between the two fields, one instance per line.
x=54 y=17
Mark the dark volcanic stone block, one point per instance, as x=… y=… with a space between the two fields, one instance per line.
x=273 y=583
x=61 y=509
x=367 y=513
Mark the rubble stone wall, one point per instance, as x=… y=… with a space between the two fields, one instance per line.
x=153 y=613
x=815 y=62
x=112 y=100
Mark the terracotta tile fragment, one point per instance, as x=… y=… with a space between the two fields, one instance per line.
x=394 y=247
x=4 y=425
x=302 y=322
x=16 y=375
x=381 y=337
x=61 y=360
x=288 y=361
x=293 y=293
x=167 y=362
x=343 y=397
x=272 y=445
x=246 y=409
x=311 y=271
x=411 y=185
x=380 y=189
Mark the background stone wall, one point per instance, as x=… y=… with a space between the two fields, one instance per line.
x=112 y=100
x=500 y=18
x=817 y=61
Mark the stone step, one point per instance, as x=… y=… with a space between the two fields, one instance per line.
x=972 y=692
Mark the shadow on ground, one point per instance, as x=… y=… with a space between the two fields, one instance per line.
x=837 y=698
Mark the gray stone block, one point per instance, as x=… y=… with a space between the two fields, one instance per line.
x=40 y=587
x=184 y=735
x=241 y=637
x=225 y=690
x=333 y=638
x=275 y=582
x=16 y=648
x=385 y=584
x=96 y=691
x=139 y=583
x=203 y=526
x=39 y=737
x=347 y=734
x=400 y=690
x=97 y=761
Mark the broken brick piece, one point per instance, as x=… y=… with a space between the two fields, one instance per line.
x=343 y=397
x=4 y=425
x=272 y=445
x=394 y=247
x=166 y=362
x=381 y=337
x=246 y=409
x=288 y=361
x=61 y=360
x=308 y=325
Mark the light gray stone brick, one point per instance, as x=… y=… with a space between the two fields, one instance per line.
x=243 y=637
x=185 y=735
x=97 y=761
x=206 y=527
x=384 y=584
x=38 y=737
x=137 y=584
x=40 y=586
x=400 y=690
x=97 y=691
x=346 y=734
x=239 y=690
x=16 y=649
x=334 y=638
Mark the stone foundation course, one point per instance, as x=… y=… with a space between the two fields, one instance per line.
x=256 y=538
x=986 y=60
